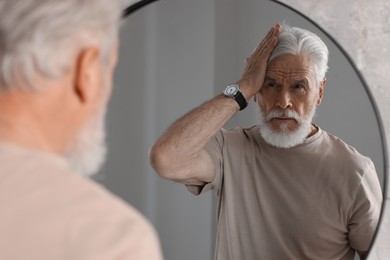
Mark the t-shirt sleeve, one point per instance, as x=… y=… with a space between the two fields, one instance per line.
x=365 y=211
x=214 y=148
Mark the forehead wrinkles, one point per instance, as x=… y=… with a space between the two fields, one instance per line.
x=289 y=72
x=291 y=66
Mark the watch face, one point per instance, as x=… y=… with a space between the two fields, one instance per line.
x=231 y=90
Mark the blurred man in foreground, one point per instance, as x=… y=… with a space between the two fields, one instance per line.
x=56 y=64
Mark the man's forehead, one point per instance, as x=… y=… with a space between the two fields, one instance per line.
x=275 y=75
x=290 y=65
x=298 y=79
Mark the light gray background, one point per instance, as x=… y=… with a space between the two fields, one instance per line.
x=175 y=54
x=166 y=68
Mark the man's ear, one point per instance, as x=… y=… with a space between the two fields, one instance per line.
x=87 y=81
x=321 y=91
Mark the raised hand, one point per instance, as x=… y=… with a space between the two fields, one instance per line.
x=253 y=76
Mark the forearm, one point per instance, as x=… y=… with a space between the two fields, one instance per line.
x=179 y=153
x=181 y=146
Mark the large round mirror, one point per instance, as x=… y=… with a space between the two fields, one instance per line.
x=176 y=54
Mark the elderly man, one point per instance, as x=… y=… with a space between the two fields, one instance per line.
x=286 y=188
x=56 y=64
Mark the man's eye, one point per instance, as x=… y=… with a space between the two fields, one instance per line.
x=299 y=86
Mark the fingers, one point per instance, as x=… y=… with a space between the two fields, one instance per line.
x=267 y=44
x=263 y=51
x=270 y=40
x=278 y=29
x=270 y=34
x=256 y=65
x=270 y=46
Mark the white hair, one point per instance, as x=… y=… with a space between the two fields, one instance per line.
x=41 y=37
x=296 y=41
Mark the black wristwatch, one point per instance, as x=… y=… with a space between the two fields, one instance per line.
x=233 y=91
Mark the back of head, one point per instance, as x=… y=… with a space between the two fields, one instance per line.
x=39 y=37
x=296 y=41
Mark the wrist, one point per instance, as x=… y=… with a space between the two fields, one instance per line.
x=246 y=93
x=247 y=88
x=234 y=92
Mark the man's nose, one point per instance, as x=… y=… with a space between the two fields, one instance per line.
x=284 y=99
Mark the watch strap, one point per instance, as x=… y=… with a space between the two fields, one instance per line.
x=239 y=97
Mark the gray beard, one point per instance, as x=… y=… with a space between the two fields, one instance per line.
x=285 y=138
x=87 y=152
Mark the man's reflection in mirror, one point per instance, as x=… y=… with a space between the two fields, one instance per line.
x=286 y=188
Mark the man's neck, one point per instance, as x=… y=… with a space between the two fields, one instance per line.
x=24 y=135
x=22 y=123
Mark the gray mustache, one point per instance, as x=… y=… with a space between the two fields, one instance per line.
x=283 y=113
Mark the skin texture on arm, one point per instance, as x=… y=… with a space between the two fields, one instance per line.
x=179 y=153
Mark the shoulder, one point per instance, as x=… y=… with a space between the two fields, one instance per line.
x=232 y=140
x=249 y=134
x=346 y=156
x=240 y=131
x=101 y=224
x=111 y=227
x=71 y=215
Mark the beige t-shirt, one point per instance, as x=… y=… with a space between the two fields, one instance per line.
x=49 y=213
x=318 y=200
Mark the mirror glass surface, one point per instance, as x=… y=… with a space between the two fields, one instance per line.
x=176 y=54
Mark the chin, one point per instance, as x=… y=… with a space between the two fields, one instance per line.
x=284 y=137
x=283 y=128
x=286 y=134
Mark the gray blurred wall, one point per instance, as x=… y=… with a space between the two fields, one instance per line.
x=166 y=68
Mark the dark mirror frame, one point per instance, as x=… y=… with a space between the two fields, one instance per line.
x=140 y=4
x=134 y=7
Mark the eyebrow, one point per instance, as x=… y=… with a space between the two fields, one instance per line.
x=268 y=78
x=301 y=81
x=272 y=80
x=296 y=82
